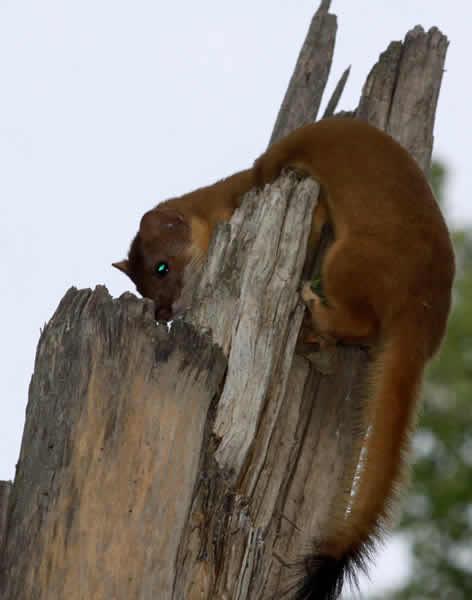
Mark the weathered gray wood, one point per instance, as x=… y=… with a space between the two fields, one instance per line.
x=155 y=464
x=5 y=489
x=262 y=304
x=401 y=92
x=336 y=95
x=249 y=298
x=110 y=453
x=305 y=90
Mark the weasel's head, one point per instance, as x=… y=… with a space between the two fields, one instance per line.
x=161 y=259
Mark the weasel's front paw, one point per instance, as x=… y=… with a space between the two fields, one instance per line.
x=308 y=294
x=314 y=300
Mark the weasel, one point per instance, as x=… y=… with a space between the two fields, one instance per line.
x=386 y=281
x=173 y=240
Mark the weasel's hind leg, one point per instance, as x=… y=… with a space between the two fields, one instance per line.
x=344 y=312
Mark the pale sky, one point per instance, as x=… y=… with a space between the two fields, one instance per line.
x=108 y=107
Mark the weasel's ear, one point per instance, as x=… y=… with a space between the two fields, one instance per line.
x=158 y=219
x=123 y=266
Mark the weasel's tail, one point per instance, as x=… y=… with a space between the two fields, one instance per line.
x=393 y=384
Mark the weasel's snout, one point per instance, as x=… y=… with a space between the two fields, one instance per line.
x=163 y=313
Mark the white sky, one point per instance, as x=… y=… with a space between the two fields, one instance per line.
x=107 y=107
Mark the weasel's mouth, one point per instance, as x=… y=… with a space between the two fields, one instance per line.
x=164 y=313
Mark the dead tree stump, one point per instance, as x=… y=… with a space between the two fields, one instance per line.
x=183 y=464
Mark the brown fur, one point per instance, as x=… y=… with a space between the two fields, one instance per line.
x=386 y=281
x=178 y=231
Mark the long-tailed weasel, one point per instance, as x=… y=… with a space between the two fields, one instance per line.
x=386 y=279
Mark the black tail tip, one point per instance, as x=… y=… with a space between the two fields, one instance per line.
x=325 y=576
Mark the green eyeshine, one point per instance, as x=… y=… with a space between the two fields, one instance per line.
x=161 y=269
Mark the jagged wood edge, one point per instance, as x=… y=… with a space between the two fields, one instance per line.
x=307 y=84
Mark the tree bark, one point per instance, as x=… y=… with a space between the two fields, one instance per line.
x=175 y=464
x=115 y=403
x=5 y=489
x=305 y=90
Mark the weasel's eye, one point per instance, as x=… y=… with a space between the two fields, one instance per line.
x=161 y=269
